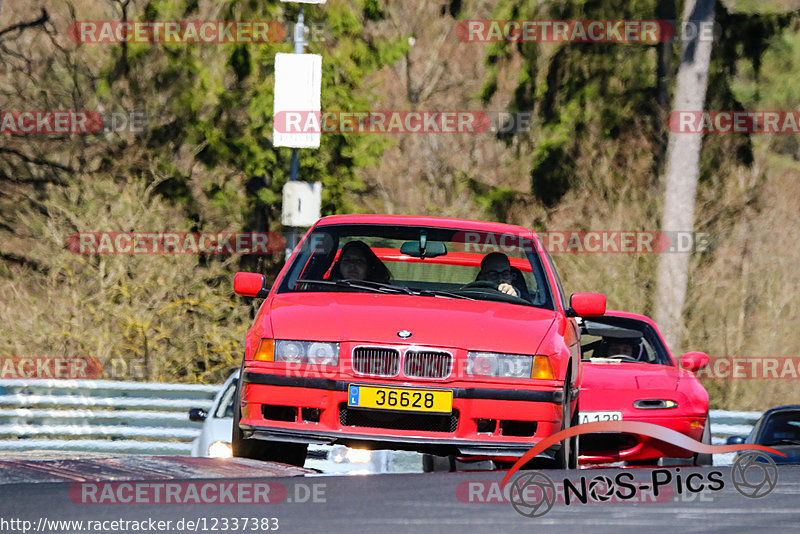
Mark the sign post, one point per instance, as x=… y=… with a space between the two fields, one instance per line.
x=298 y=86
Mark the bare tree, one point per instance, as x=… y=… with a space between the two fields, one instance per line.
x=682 y=170
x=664 y=11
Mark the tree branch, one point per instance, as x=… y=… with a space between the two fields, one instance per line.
x=43 y=18
x=36 y=161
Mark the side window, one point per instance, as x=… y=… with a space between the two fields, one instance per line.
x=558 y=279
x=225 y=408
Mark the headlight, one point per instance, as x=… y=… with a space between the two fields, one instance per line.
x=313 y=352
x=508 y=365
x=323 y=353
x=358 y=456
x=220 y=449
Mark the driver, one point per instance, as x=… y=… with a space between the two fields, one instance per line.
x=496 y=268
x=627 y=348
x=617 y=348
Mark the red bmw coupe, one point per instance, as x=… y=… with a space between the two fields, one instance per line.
x=444 y=336
x=630 y=375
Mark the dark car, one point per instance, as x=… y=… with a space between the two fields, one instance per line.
x=778 y=428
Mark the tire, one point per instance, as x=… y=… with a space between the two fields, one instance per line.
x=574 y=446
x=567 y=455
x=438 y=464
x=701 y=458
x=256 y=449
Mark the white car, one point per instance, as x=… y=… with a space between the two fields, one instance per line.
x=215 y=440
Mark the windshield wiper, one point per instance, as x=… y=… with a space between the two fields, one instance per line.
x=440 y=293
x=378 y=287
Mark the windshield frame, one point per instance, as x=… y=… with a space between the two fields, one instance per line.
x=305 y=256
x=649 y=335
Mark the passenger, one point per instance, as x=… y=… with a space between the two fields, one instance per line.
x=496 y=268
x=358 y=262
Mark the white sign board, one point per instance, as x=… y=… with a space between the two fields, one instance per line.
x=298 y=85
x=301 y=204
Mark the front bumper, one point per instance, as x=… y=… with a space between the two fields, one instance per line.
x=611 y=447
x=465 y=432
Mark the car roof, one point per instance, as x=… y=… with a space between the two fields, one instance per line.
x=436 y=222
x=786 y=408
x=628 y=315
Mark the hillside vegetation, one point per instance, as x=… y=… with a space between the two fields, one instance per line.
x=592 y=159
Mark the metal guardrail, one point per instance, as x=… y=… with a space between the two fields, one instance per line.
x=151 y=418
x=100 y=415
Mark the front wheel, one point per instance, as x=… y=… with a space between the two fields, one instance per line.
x=567 y=455
x=438 y=464
x=256 y=449
x=701 y=458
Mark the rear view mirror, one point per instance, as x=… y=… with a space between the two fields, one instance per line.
x=250 y=285
x=197 y=415
x=431 y=250
x=694 y=361
x=586 y=305
x=734 y=440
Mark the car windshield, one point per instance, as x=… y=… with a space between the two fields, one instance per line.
x=782 y=428
x=418 y=260
x=621 y=339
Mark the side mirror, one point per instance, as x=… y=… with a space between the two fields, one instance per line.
x=197 y=415
x=586 y=305
x=250 y=285
x=734 y=440
x=694 y=361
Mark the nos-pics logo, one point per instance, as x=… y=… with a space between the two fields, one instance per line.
x=532 y=494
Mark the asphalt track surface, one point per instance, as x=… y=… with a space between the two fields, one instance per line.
x=44 y=491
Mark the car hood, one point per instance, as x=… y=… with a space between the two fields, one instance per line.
x=441 y=322
x=630 y=376
x=615 y=386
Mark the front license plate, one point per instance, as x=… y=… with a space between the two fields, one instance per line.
x=594 y=417
x=401 y=399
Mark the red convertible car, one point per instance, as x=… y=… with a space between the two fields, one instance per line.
x=444 y=336
x=630 y=375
